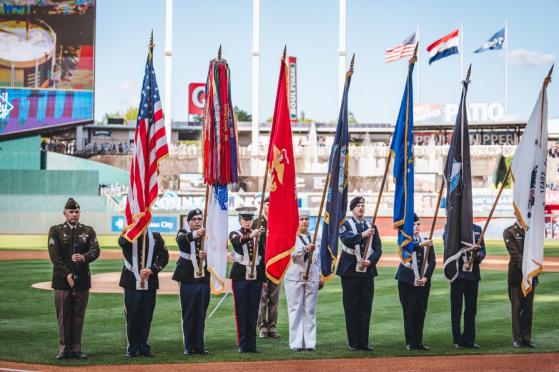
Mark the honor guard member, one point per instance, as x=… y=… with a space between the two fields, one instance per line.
x=357 y=271
x=246 y=280
x=140 y=286
x=464 y=290
x=413 y=288
x=194 y=282
x=72 y=246
x=269 y=302
x=301 y=291
x=522 y=307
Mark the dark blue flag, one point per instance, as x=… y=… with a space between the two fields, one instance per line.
x=495 y=42
x=402 y=150
x=458 y=232
x=336 y=202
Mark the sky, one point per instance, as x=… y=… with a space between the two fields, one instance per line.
x=309 y=28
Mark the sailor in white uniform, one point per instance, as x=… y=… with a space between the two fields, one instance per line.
x=301 y=290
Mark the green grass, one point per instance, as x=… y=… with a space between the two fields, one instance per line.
x=29 y=333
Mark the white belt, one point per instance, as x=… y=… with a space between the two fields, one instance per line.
x=348 y=250
x=184 y=255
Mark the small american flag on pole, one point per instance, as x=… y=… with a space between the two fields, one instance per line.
x=150 y=148
x=402 y=50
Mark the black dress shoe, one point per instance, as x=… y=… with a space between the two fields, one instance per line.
x=146 y=354
x=458 y=346
x=79 y=355
x=255 y=350
x=517 y=344
x=130 y=355
x=297 y=349
x=311 y=349
x=367 y=348
x=409 y=347
x=423 y=347
x=201 y=352
x=62 y=355
x=188 y=352
x=351 y=348
x=273 y=335
x=529 y=344
x=473 y=345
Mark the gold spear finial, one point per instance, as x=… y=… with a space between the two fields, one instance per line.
x=547 y=79
x=413 y=59
x=284 y=52
x=469 y=73
x=151 y=45
x=219 y=53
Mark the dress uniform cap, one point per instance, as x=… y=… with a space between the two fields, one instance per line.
x=192 y=213
x=267 y=200
x=415 y=217
x=304 y=213
x=355 y=201
x=71 y=204
x=246 y=213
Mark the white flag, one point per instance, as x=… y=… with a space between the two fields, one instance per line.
x=217 y=237
x=529 y=169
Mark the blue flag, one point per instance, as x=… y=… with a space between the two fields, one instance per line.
x=336 y=202
x=495 y=42
x=402 y=150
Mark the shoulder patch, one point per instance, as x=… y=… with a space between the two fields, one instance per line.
x=51 y=241
x=343 y=229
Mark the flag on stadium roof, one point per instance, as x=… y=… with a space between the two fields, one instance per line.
x=444 y=47
x=402 y=50
x=402 y=150
x=150 y=148
x=495 y=42
x=530 y=158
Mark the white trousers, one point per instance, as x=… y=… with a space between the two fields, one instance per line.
x=301 y=307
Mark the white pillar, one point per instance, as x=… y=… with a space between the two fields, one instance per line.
x=342 y=49
x=168 y=67
x=255 y=83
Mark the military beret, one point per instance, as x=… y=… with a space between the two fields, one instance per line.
x=304 y=213
x=71 y=204
x=192 y=213
x=267 y=200
x=355 y=201
x=246 y=213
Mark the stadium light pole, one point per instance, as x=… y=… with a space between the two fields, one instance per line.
x=342 y=48
x=255 y=83
x=168 y=67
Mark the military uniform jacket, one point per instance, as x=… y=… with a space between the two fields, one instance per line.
x=64 y=241
x=408 y=273
x=473 y=275
x=156 y=259
x=184 y=272
x=242 y=254
x=514 y=241
x=353 y=244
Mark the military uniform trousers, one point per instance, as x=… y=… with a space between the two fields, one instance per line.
x=195 y=298
x=70 y=313
x=301 y=308
x=138 y=306
x=414 y=306
x=464 y=292
x=522 y=308
x=358 y=292
x=246 y=294
x=268 y=311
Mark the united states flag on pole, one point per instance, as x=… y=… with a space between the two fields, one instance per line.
x=150 y=148
x=402 y=50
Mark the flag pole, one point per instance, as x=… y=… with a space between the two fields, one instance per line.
x=144 y=234
x=461 y=50
x=417 y=94
x=506 y=69
x=389 y=158
x=426 y=256
x=325 y=188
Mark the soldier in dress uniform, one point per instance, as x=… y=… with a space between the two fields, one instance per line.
x=72 y=246
x=301 y=292
x=357 y=271
x=246 y=280
x=522 y=307
x=414 y=287
x=464 y=290
x=140 y=286
x=269 y=302
x=194 y=281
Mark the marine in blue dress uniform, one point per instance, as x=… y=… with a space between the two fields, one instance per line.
x=414 y=287
x=194 y=282
x=463 y=295
x=139 y=302
x=246 y=289
x=357 y=272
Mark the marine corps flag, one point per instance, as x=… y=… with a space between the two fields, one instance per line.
x=283 y=215
x=529 y=170
x=402 y=150
x=336 y=202
x=458 y=231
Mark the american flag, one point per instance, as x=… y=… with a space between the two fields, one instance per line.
x=402 y=50
x=150 y=148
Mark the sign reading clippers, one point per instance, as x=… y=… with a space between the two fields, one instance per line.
x=196 y=98
x=293 y=89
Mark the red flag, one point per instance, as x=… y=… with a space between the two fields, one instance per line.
x=283 y=215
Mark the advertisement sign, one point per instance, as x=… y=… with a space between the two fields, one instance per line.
x=293 y=89
x=160 y=224
x=436 y=113
x=46 y=64
x=196 y=98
